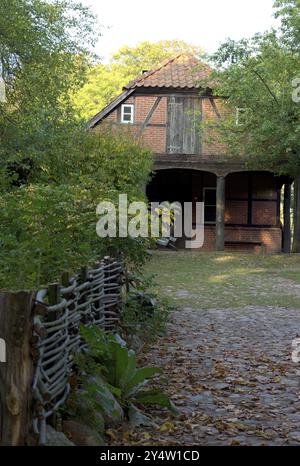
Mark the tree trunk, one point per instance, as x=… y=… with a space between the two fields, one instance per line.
x=296 y=240
x=16 y=373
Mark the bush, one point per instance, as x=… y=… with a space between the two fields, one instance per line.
x=49 y=228
x=144 y=315
x=112 y=383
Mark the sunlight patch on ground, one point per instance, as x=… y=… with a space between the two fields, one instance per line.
x=216 y=280
x=224 y=259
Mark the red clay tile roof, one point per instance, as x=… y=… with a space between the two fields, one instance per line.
x=181 y=71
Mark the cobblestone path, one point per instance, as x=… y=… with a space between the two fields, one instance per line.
x=231 y=375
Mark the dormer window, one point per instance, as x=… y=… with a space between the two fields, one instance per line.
x=127 y=113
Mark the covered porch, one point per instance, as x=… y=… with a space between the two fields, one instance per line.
x=242 y=210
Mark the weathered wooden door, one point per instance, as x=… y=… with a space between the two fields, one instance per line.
x=184 y=115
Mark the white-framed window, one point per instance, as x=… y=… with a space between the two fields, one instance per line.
x=127 y=113
x=209 y=199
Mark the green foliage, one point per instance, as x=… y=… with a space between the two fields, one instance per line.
x=105 y=82
x=257 y=76
x=48 y=228
x=144 y=315
x=43 y=60
x=288 y=12
x=121 y=381
x=44 y=230
x=147 y=55
x=53 y=173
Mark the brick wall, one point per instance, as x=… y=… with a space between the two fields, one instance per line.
x=143 y=104
x=211 y=145
x=155 y=138
x=264 y=198
x=270 y=237
x=237 y=212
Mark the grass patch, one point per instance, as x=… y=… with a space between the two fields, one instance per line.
x=291 y=275
x=225 y=280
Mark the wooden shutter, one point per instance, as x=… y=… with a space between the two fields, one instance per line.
x=184 y=115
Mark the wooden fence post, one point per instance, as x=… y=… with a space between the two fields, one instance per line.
x=17 y=372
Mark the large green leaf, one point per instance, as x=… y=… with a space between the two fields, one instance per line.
x=140 y=376
x=121 y=361
x=105 y=399
x=155 y=397
x=137 y=418
x=129 y=371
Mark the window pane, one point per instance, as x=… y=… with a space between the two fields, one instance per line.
x=210 y=197
x=126 y=117
x=209 y=214
x=127 y=109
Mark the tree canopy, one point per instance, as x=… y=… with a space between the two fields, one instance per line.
x=53 y=172
x=42 y=61
x=256 y=76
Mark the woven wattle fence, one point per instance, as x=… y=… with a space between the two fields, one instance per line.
x=92 y=297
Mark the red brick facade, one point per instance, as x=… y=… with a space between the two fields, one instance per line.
x=271 y=238
x=252 y=199
x=155 y=137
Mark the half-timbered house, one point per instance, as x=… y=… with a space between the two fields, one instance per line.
x=164 y=107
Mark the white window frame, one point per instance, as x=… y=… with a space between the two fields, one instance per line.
x=122 y=113
x=212 y=188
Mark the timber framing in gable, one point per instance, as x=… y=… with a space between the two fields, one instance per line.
x=149 y=115
x=110 y=108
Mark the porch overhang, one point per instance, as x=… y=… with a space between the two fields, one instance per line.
x=217 y=165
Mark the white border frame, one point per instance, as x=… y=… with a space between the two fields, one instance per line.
x=132 y=114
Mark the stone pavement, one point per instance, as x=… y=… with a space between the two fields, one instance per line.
x=231 y=375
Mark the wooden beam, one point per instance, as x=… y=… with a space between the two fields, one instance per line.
x=149 y=115
x=287 y=219
x=296 y=238
x=215 y=108
x=220 y=213
x=109 y=108
x=278 y=205
x=250 y=198
x=139 y=125
x=17 y=372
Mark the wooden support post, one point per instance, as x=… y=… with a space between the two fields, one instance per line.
x=65 y=279
x=287 y=219
x=84 y=274
x=17 y=372
x=220 y=213
x=296 y=239
x=54 y=298
x=53 y=294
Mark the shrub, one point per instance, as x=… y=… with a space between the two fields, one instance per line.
x=113 y=382
x=47 y=228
